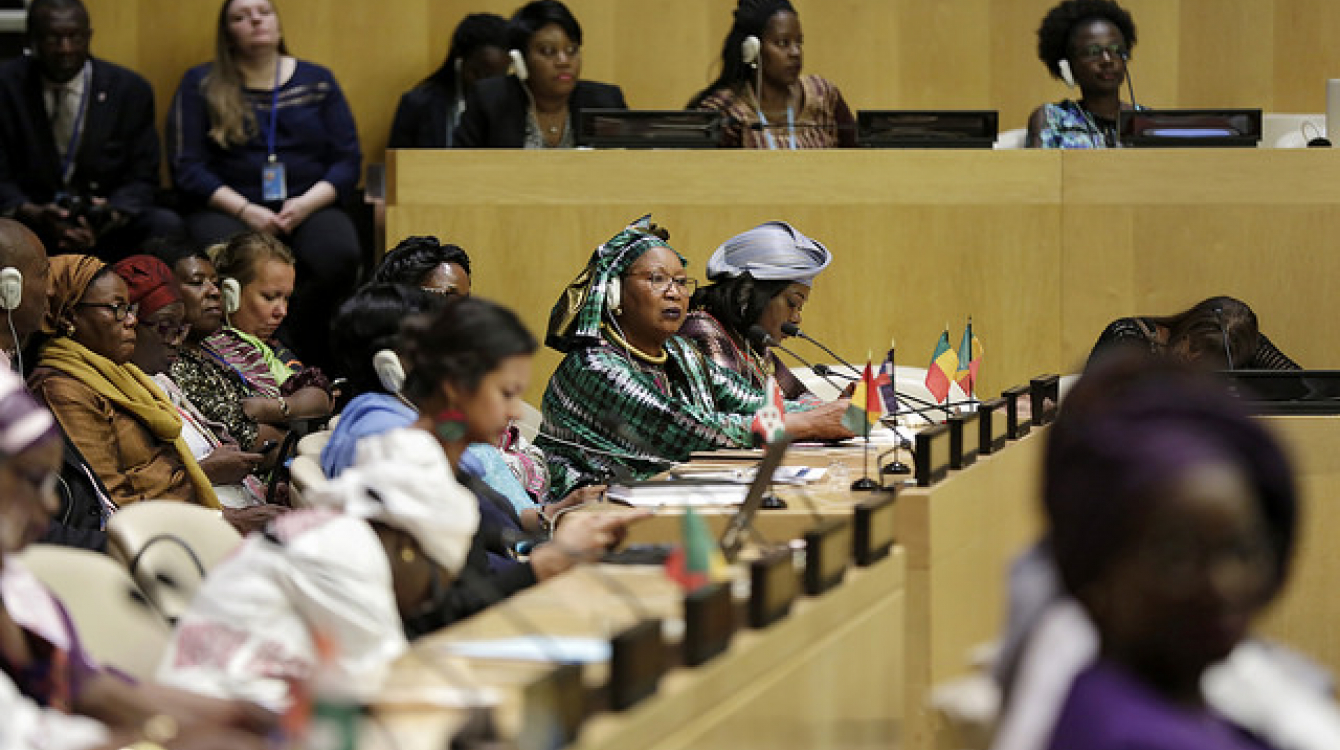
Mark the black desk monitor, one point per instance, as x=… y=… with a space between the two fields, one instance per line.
x=926 y=128
x=649 y=128
x=1287 y=391
x=1190 y=128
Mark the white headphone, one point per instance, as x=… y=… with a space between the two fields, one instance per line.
x=614 y=295
x=390 y=371
x=1067 y=75
x=749 y=50
x=232 y=295
x=518 y=64
x=11 y=288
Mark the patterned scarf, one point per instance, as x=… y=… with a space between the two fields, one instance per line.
x=251 y=358
x=575 y=320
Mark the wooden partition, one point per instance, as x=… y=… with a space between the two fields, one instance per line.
x=920 y=239
x=1043 y=249
x=884 y=54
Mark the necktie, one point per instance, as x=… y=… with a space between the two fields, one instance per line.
x=63 y=112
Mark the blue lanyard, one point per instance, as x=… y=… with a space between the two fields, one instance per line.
x=67 y=164
x=274 y=112
x=790 y=124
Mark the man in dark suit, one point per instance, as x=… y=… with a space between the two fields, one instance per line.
x=78 y=150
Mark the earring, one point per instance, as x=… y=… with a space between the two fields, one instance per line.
x=449 y=424
x=67 y=329
x=407 y=554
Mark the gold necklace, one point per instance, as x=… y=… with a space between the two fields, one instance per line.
x=636 y=352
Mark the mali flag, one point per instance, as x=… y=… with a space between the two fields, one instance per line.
x=969 y=360
x=866 y=406
x=943 y=362
x=697 y=561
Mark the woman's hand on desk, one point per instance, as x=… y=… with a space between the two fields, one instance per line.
x=820 y=423
x=581 y=537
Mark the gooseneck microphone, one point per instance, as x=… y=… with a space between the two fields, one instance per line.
x=1223 y=335
x=791 y=329
x=761 y=337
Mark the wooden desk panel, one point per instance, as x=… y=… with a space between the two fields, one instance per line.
x=1306 y=614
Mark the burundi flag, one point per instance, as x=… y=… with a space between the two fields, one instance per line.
x=866 y=406
x=969 y=360
x=697 y=561
x=769 y=420
x=943 y=363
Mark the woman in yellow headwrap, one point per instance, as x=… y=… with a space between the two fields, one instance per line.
x=126 y=429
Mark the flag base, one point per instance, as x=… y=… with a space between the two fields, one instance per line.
x=865 y=484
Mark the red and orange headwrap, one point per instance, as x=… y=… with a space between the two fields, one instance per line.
x=150 y=283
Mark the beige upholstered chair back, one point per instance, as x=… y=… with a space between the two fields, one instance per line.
x=117 y=624
x=168 y=547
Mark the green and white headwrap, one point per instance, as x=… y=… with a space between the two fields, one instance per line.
x=574 y=323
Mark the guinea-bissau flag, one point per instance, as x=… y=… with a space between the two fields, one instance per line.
x=866 y=406
x=969 y=360
x=944 y=362
x=697 y=560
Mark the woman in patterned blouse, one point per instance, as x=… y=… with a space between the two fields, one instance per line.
x=765 y=100
x=632 y=396
x=1085 y=43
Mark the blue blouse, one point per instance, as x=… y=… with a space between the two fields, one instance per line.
x=315 y=138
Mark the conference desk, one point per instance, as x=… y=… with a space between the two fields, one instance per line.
x=804 y=681
x=1042 y=249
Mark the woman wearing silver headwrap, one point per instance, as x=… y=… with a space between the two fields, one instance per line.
x=761 y=281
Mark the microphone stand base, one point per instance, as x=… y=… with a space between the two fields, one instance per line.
x=865 y=484
x=896 y=467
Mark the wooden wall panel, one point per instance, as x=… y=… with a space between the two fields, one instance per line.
x=1275 y=54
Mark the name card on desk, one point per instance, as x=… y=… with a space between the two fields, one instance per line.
x=1045 y=392
x=772 y=581
x=637 y=661
x=873 y=528
x=991 y=424
x=827 y=550
x=965 y=440
x=931 y=460
x=553 y=709
x=1016 y=424
x=709 y=622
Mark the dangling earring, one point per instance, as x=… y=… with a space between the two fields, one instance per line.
x=407 y=554
x=449 y=424
x=67 y=329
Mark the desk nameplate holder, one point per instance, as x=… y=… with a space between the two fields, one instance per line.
x=991 y=432
x=931 y=461
x=1015 y=424
x=873 y=527
x=553 y=709
x=827 y=551
x=709 y=623
x=965 y=440
x=773 y=587
x=1045 y=392
x=637 y=661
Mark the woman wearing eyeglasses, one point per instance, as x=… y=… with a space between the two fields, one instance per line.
x=1086 y=44
x=633 y=396
x=126 y=429
x=159 y=333
x=539 y=104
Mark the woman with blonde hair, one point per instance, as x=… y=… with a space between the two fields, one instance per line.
x=259 y=140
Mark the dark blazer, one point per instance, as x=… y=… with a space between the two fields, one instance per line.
x=423 y=118
x=495 y=112
x=118 y=151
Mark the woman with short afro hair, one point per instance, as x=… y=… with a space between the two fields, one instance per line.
x=1086 y=44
